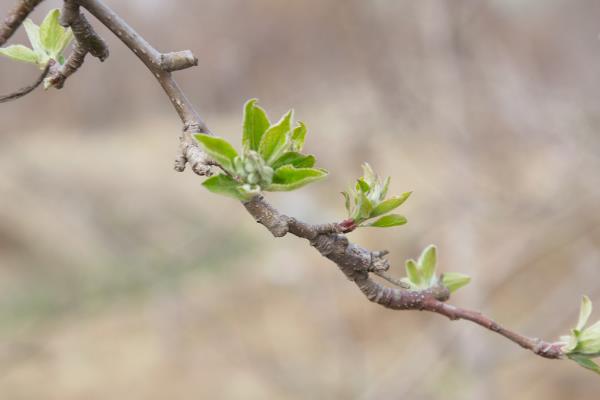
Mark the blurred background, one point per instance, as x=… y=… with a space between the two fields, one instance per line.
x=120 y=278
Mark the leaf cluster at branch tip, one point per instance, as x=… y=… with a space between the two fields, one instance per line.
x=48 y=41
x=583 y=343
x=421 y=274
x=271 y=159
x=367 y=200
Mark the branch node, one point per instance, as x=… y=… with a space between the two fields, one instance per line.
x=177 y=60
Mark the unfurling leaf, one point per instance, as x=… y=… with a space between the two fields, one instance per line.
x=390 y=204
x=225 y=185
x=366 y=200
x=298 y=137
x=218 y=149
x=33 y=34
x=53 y=37
x=454 y=281
x=289 y=178
x=20 y=53
x=294 y=159
x=585 y=363
x=584 y=312
x=388 y=221
x=255 y=125
x=428 y=262
x=272 y=143
x=412 y=272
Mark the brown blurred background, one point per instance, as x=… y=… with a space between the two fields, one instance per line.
x=122 y=279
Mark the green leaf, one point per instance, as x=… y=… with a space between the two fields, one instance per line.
x=275 y=138
x=454 y=281
x=289 y=178
x=388 y=221
x=255 y=125
x=585 y=363
x=427 y=262
x=368 y=174
x=225 y=185
x=364 y=207
x=584 y=312
x=298 y=137
x=53 y=37
x=218 y=149
x=51 y=33
x=412 y=272
x=347 y=202
x=19 y=53
x=390 y=204
x=33 y=33
x=294 y=159
x=362 y=186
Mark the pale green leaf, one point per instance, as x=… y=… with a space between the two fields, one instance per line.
x=224 y=185
x=388 y=221
x=386 y=186
x=368 y=174
x=294 y=159
x=584 y=312
x=347 y=202
x=585 y=363
x=427 y=262
x=389 y=204
x=218 y=149
x=298 y=137
x=412 y=272
x=289 y=178
x=255 y=125
x=362 y=186
x=19 y=53
x=51 y=33
x=454 y=281
x=273 y=142
x=364 y=207
x=33 y=33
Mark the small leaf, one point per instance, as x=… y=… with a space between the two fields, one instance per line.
x=19 y=53
x=255 y=125
x=386 y=186
x=33 y=33
x=218 y=149
x=427 y=262
x=298 y=137
x=225 y=185
x=585 y=363
x=347 y=202
x=412 y=272
x=51 y=33
x=275 y=138
x=368 y=174
x=294 y=159
x=289 y=178
x=454 y=281
x=584 y=312
x=390 y=204
x=364 y=207
x=388 y=221
x=362 y=186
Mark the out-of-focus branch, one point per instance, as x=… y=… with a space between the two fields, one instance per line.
x=15 y=18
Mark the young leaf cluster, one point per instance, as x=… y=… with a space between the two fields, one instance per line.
x=272 y=158
x=48 y=41
x=583 y=343
x=421 y=274
x=367 y=200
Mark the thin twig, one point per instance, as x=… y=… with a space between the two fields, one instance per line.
x=27 y=89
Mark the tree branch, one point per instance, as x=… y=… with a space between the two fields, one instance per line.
x=15 y=18
x=355 y=262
